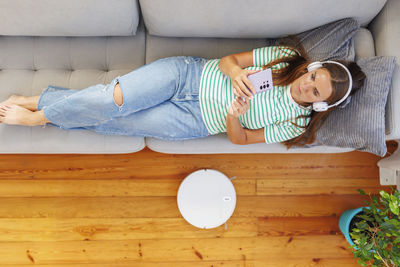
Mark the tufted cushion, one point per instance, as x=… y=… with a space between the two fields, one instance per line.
x=30 y=64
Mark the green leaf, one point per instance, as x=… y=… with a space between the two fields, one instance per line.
x=388 y=225
x=365 y=217
x=361 y=192
x=394 y=207
x=369 y=246
x=384 y=195
x=361 y=263
x=386 y=254
x=396 y=222
x=364 y=252
x=361 y=226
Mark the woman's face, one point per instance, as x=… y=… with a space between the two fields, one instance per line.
x=314 y=86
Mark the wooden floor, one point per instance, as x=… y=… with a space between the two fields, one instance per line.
x=120 y=210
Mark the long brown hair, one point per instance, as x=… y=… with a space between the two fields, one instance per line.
x=295 y=66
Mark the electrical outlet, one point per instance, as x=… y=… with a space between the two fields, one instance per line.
x=388 y=176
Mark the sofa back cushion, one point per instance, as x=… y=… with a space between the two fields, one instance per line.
x=249 y=19
x=69 y=17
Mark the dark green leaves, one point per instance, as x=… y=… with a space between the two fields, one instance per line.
x=377 y=232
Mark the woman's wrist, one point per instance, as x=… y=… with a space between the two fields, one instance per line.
x=229 y=65
x=234 y=71
x=235 y=131
x=232 y=115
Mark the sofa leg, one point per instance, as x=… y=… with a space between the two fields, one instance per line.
x=389 y=168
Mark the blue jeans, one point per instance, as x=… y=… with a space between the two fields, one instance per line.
x=160 y=100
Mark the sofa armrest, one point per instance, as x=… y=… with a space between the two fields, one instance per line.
x=385 y=30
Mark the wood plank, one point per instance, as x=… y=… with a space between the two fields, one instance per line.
x=325 y=262
x=238 y=263
x=213 y=249
x=316 y=186
x=64 y=229
x=166 y=207
x=148 y=164
x=296 y=206
x=298 y=226
x=75 y=229
x=105 y=188
x=169 y=187
x=91 y=207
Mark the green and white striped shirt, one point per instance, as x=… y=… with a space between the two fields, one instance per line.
x=273 y=110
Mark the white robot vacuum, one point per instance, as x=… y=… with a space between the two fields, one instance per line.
x=206 y=198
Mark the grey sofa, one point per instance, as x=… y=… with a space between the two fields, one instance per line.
x=77 y=43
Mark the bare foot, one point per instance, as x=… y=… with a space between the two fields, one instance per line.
x=28 y=102
x=13 y=99
x=17 y=115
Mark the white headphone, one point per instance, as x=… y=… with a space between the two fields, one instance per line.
x=323 y=106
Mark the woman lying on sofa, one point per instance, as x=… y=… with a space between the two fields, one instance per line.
x=181 y=98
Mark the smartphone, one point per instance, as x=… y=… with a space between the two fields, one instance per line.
x=261 y=81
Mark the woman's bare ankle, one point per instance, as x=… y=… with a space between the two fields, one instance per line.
x=31 y=102
x=28 y=102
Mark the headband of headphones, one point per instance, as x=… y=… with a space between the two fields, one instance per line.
x=323 y=106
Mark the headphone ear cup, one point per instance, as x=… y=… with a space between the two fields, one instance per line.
x=313 y=66
x=320 y=106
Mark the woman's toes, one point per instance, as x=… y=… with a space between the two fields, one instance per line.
x=17 y=115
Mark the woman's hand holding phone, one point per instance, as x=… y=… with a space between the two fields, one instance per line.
x=242 y=87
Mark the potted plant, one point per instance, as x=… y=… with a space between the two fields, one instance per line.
x=374 y=231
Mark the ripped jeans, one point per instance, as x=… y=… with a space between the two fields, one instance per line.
x=160 y=100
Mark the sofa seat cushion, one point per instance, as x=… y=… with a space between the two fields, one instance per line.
x=52 y=140
x=29 y=64
x=220 y=144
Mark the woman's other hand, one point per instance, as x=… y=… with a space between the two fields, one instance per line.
x=238 y=107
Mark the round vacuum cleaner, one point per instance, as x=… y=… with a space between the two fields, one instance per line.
x=206 y=198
